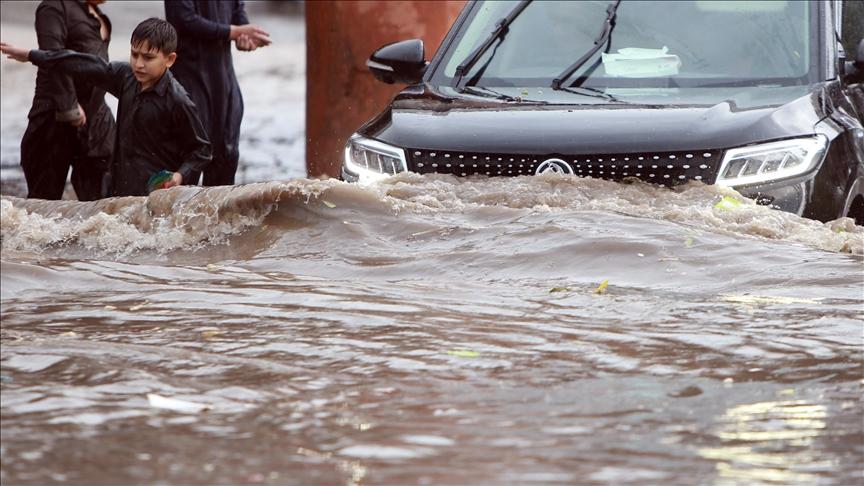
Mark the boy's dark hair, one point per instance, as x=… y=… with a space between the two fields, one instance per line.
x=157 y=33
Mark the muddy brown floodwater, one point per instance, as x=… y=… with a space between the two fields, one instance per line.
x=429 y=330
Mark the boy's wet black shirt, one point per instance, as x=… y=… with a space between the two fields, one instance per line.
x=157 y=129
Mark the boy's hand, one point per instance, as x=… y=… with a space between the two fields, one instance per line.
x=16 y=53
x=82 y=117
x=176 y=180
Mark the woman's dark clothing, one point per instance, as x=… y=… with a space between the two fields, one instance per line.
x=50 y=144
x=205 y=68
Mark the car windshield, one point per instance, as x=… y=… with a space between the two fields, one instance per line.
x=653 y=44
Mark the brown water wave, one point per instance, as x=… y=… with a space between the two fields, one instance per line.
x=191 y=218
x=429 y=330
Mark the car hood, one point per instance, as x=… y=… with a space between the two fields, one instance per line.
x=550 y=122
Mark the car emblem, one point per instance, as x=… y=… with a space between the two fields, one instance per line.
x=554 y=166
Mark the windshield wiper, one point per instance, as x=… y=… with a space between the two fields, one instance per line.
x=608 y=25
x=475 y=90
x=592 y=92
x=501 y=29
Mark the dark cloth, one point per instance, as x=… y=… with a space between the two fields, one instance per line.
x=50 y=144
x=205 y=68
x=157 y=129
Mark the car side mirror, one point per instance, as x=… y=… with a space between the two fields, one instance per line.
x=401 y=62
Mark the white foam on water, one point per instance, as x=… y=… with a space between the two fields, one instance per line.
x=183 y=218
x=692 y=204
x=191 y=218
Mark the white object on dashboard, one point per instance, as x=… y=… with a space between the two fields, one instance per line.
x=638 y=62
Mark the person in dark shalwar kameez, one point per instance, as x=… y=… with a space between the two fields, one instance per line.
x=69 y=122
x=205 y=68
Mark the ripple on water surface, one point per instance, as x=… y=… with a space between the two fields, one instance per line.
x=431 y=330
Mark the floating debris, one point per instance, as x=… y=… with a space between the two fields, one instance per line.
x=140 y=306
x=210 y=333
x=602 y=287
x=690 y=391
x=328 y=203
x=463 y=353
x=766 y=299
x=727 y=203
x=158 y=401
x=559 y=289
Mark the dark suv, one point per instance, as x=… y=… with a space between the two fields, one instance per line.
x=759 y=95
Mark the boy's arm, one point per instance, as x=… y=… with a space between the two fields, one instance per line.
x=86 y=67
x=51 y=34
x=196 y=150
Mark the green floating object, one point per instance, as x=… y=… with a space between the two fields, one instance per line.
x=463 y=353
x=559 y=289
x=158 y=180
x=727 y=203
x=602 y=287
x=328 y=203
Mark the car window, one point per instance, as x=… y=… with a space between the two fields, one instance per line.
x=702 y=42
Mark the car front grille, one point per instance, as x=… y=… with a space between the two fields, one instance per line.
x=667 y=168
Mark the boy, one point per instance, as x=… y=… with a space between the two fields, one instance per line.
x=157 y=124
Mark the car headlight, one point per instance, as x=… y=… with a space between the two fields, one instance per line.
x=372 y=160
x=771 y=161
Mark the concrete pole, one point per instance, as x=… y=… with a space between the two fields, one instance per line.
x=341 y=93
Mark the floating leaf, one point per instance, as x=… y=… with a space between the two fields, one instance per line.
x=602 y=287
x=727 y=203
x=328 y=203
x=688 y=242
x=463 y=353
x=559 y=289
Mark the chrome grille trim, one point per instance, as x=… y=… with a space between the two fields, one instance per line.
x=666 y=168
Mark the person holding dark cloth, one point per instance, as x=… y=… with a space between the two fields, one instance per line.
x=157 y=125
x=69 y=122
x=205 y=68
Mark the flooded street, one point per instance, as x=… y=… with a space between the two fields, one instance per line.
x=429 y=330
